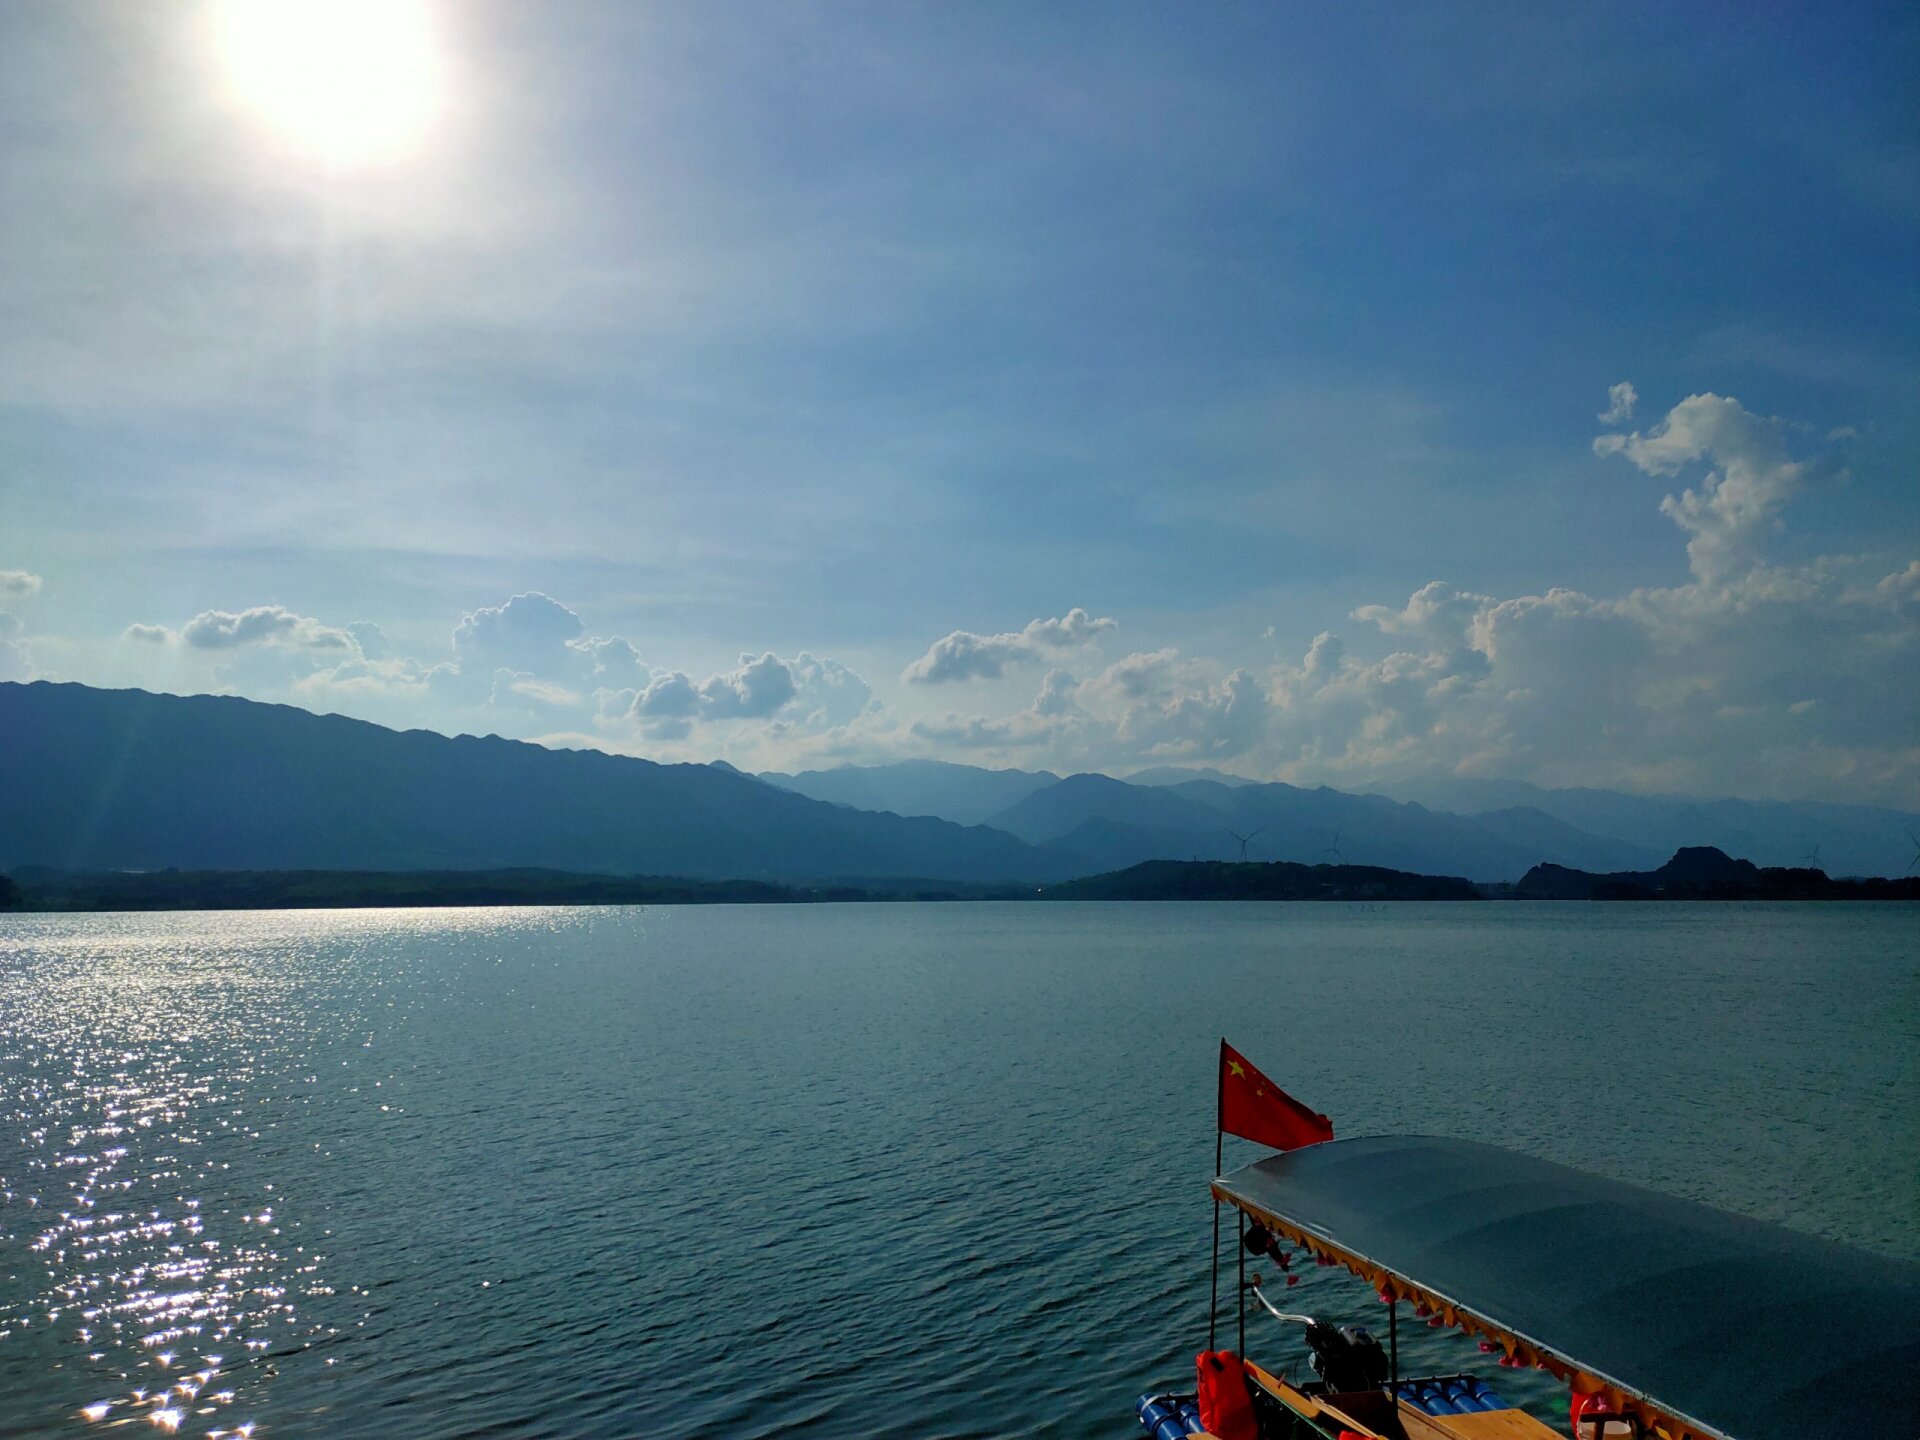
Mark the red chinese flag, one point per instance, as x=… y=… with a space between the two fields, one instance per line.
x=1253 y=1107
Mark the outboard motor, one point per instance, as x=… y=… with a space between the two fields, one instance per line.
x=1346 y=1357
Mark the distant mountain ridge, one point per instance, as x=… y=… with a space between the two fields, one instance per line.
x=98 y=780
x=1839 y=839
x=126 y=780
x=964 y=794
x=1508 y=825
x=1114 y=825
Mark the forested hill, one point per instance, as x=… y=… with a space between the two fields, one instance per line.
x=1276 y=880
x=95 y=780
x=1701 y=872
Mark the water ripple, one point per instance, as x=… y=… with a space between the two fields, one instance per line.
x=916 y=1170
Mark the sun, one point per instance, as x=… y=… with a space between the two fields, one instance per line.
x=357 y=82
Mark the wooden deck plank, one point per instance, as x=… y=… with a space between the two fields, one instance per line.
x=1481 y=1425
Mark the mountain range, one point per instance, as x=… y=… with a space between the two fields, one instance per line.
x=964 y=794
x=1492 y=830
x=104 y=780
x=125 y=780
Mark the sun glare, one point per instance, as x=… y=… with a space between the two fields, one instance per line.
x=355 y=81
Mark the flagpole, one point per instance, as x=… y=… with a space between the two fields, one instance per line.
x=1219 y=1141
x=1213 y=1301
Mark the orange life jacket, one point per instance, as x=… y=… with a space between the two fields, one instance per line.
x=1226 y=1400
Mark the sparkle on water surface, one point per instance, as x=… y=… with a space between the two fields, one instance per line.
x=894 y=1169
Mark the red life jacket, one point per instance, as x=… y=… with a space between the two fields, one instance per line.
x=1226 y=1401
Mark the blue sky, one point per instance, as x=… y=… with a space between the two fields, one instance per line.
x=786 y=345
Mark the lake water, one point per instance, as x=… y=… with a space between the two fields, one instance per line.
x=888 y=1169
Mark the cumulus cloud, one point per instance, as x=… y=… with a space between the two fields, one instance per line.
x=1747 y=677
x=964 y=655
x=1151 y=704
x=1056 y=695
x=758 y=687
x=668 y=696
x=261 y=625
x=1749 y=477
x=1437 y=612
x=1621 y=399
x=1161 y=705
x=533 y=652
x=755 y=689
x=766 y=711
x=827 y=695
x=1750 y=677
x=612 y=662
x=528 y=634
x=17 y=584
x=148 y=634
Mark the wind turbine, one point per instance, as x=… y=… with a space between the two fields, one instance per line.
x=1812 y=857
x=1243 y=839
x=1916 y=850
x=1334 y=848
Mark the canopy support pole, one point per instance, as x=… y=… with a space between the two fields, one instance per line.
x=1213 y=1301
x=1241 y=1347
x=1393 y=1344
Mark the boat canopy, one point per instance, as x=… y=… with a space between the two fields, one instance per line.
x=1705 y=1324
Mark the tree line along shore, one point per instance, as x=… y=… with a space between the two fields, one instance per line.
x=1693 y=874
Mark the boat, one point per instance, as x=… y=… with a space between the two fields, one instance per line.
x=1665 y=1318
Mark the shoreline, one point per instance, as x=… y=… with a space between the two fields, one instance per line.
x=40 y=890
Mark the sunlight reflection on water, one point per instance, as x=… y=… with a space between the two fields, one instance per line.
x=143 y=1062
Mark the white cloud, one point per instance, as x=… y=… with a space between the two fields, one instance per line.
x=149 y=634
x=1437 y=612
x=387 y=688
x=1056 y=695
x=670 y=696
x=964 y=655
x=510 y=686
x=1750 y=476
x=1749 y=677
x=1160 y=705
x=529 y=634
x=753 y=691
x=826 y=693
x=16 y=584
x=1621 y=399
x=532 y=649
x=757 y=688
x=1151 y=704
x=261 y=625
x=614 y=663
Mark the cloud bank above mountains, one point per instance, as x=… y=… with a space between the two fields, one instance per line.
x=1750 y=676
